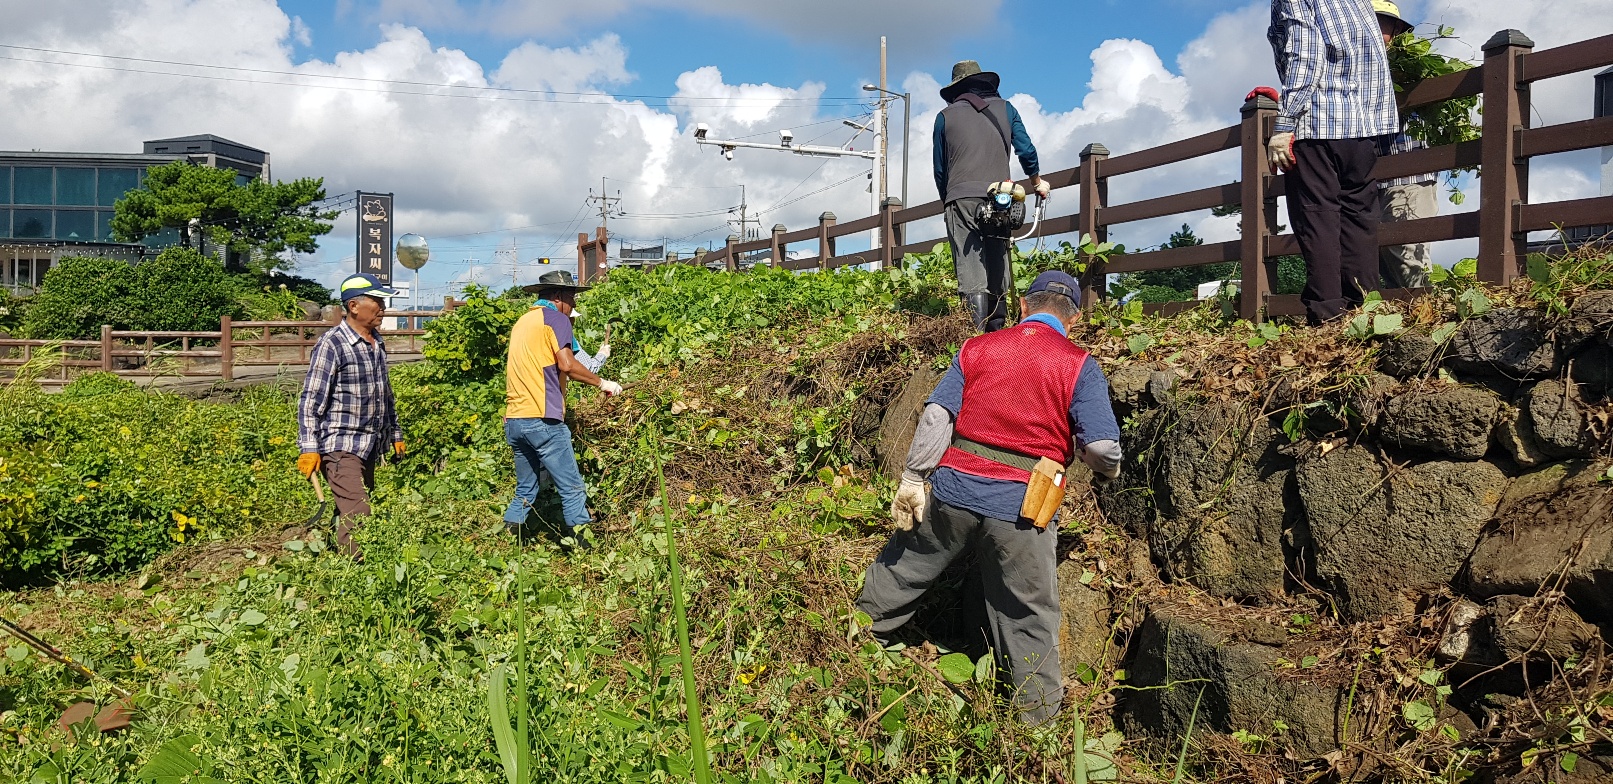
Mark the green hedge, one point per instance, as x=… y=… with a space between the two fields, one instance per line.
x=179 y=290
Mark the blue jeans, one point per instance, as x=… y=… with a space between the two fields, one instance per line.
x=545 y=444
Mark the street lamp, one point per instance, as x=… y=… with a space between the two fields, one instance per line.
x=907 y=118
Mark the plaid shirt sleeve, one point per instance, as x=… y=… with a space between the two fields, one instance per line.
x=1297 y=43
x=316 y=392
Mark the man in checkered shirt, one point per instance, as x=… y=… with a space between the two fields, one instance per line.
x=1337 y=100
x=347 y=416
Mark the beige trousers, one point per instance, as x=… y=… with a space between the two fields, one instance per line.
x=1406 y=266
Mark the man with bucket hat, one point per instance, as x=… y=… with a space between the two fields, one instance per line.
x=541 y=361
x=347 y=416
x=972 y=137
x=1016 y=407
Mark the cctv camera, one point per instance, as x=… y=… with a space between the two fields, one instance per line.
x=786 y=137
x=728 y=153
x=700 y=130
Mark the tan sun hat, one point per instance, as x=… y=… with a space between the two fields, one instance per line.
x=1389 y=10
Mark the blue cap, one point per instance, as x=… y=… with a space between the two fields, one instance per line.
x=1058 y=282
x=365 y=285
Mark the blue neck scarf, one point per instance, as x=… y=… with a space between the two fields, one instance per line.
x=1047 y=318
x=576 y=345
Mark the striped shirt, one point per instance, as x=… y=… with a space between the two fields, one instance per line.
x=533 y=385
x=1335 y=73
x=1403 y=142
x=347 y=403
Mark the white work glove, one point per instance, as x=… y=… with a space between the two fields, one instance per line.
x=609 y=387
x=1280 y=151
x=911 y=498
x=602 y=354
x=1043 y=188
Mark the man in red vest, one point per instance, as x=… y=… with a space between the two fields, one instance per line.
x=1011 y=398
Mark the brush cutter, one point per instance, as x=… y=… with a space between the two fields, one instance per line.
x=112 y=718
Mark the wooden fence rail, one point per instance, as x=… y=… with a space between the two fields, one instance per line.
x=199 y=354
x=1501 y=224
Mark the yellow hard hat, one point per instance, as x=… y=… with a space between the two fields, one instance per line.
x=1388 y=9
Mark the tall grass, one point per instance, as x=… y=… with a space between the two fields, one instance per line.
x=691 y=695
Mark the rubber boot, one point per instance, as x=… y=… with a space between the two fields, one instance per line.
x=998 y=316
x=979 y=307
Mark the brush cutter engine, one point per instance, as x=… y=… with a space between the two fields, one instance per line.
x=1003 y=213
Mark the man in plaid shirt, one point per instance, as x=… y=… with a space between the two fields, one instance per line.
x=347 y=415
x=1337 y=100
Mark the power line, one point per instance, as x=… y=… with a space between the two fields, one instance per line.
x=501 y=93
x=830 y=186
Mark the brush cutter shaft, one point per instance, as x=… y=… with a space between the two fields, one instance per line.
x=50 y=652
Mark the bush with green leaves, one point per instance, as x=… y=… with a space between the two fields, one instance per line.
x=105 y=476
x=77 y=296
x=181 y=290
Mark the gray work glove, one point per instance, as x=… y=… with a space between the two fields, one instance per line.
x=911 y=498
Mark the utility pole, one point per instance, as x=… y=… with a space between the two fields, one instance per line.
x=606 y=204
x=884 y=131
x=514 y=258
x=745 y=220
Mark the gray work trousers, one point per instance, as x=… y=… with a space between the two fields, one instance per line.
x=1406 y=266
x=1017 y=563
x=981 y=262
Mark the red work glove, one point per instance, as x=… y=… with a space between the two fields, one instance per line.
x=1269 y=92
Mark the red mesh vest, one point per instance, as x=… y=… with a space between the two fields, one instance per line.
x=1017 y=387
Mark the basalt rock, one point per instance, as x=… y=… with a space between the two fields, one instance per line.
x=1128 y=389
x=1224 y=496
x=900 y=417
x=1380 y=534
x=1592 y=368
x=1178 y=659
x=1505 y=342
x=1558 y=538
x=1455 y=421
x=1084 y=632
x=1557 y=420
x=1408 y=355
x=1516 y=629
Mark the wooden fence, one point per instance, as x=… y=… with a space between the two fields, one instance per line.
x=1501 y=223
x=206 y=354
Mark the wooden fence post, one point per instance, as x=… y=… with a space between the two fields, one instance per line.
x=1094 y=193
x=226 y=348
x=1258 y=115
x=776 y=247
x=826 y=243
x=106 y=348
x=1504 y=184
x=731 y=261
x=890 y=233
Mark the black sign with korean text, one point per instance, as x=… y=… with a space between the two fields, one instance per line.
x=375 y=235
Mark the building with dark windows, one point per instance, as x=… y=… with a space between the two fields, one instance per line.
x=55 y=205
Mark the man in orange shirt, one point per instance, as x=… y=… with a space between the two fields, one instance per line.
x=539 y=364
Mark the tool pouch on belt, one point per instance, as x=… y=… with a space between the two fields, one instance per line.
x=1044 y=492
